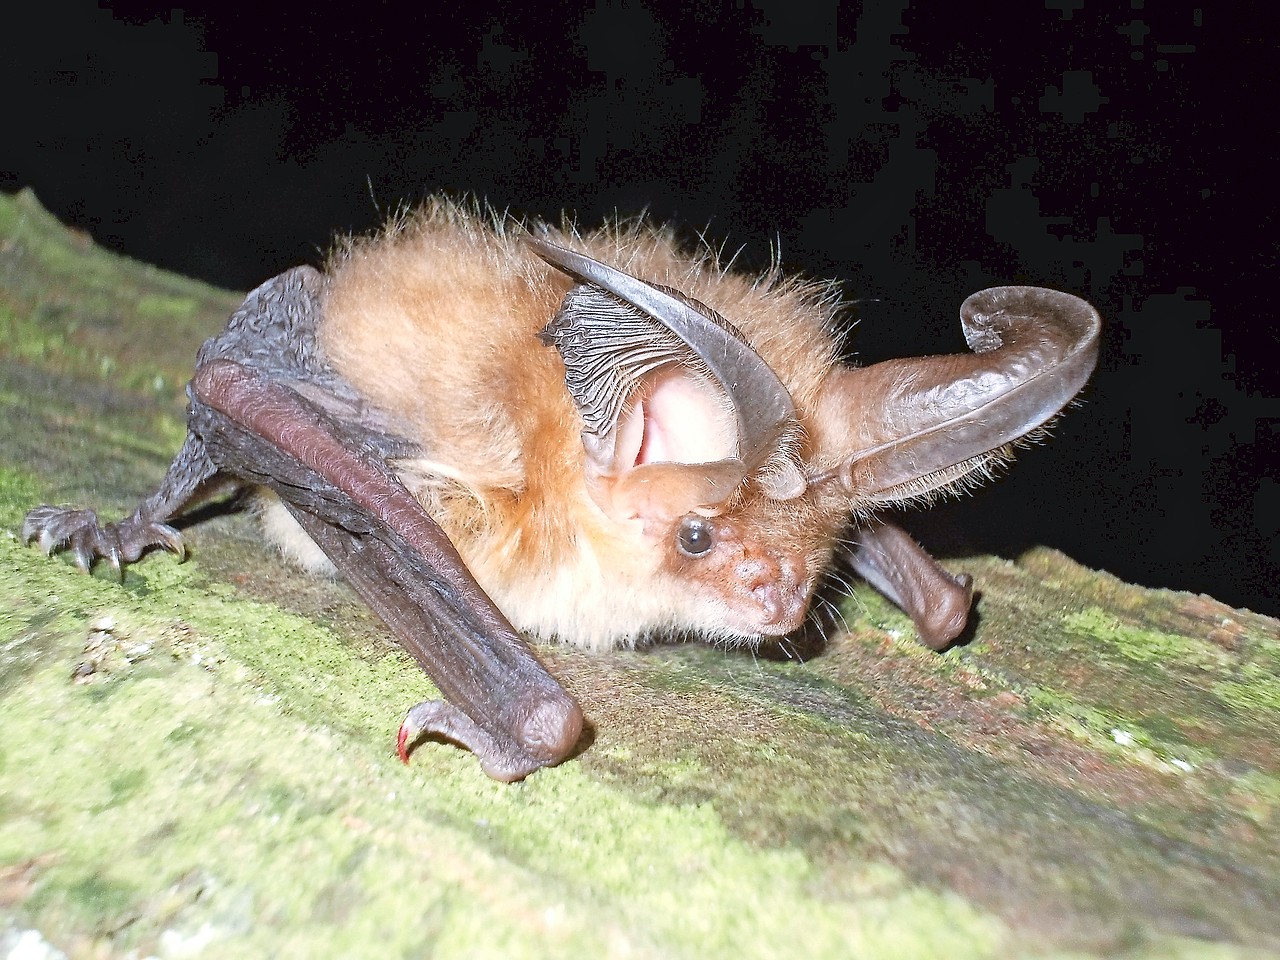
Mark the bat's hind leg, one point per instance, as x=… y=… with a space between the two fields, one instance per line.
x=80 y=533
x=274 y=328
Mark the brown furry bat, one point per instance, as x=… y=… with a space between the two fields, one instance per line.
x=595 y=438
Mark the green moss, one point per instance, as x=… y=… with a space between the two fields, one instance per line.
x=75 y=308
x=1145 y=645
x=1249 y=686
x=100 y=901
x=1144 y=740
x=122 y=786
x=261 y=761
x=72 y=263
x=166 y=307
x=1256 y=693
x=45 y=336
x=17 y=488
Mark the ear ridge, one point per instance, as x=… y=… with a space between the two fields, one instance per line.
x=767 y=426
x=608 y=349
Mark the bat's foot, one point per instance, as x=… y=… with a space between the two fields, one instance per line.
x=78 y=531
x=548 y=736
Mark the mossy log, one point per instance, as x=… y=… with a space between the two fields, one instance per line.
x=199 y=761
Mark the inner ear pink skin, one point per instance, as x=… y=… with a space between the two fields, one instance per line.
x=679 y=418
x=676 y=451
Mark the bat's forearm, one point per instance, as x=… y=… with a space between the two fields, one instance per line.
x=502 y=702
x=937 y=601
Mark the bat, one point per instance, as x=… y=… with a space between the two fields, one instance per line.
x=495 y=430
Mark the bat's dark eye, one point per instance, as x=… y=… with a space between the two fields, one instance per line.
x=694 y=536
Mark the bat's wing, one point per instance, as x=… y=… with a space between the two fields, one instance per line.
x=503 y=705
x=266 y=409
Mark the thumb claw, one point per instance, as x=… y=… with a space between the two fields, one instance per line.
x=406 y=736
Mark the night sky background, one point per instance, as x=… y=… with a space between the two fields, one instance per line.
x=917 y=151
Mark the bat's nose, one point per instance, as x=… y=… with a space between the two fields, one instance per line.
x=780 y=607
x=778 y=590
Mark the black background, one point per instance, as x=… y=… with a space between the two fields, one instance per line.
x=918 y=151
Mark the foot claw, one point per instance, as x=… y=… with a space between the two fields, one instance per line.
x=113 y=560
x=80 y=534
x=503 y=757
x=440 y=718
x=83 y=556
x=170 y=539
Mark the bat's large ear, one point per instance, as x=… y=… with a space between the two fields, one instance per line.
x=904 y=428
x=677 y=408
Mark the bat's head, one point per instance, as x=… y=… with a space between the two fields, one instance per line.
x=693 y=442
x=751 y=567
x=731 y=556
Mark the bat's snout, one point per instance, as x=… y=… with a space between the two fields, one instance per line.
x=772 y=592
